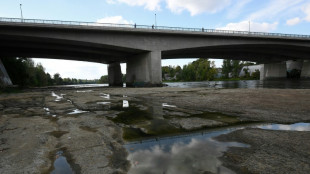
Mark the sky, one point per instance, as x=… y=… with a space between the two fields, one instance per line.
x=276 y=16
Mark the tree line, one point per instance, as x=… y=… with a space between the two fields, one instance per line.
x=25 y=73
x=205 y=70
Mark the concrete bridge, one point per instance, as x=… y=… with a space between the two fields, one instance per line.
x=143 y=47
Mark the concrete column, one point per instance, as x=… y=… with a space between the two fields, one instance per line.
x=144 y=70
x=115 y=74
x=273 y=71
x=305 y=72
x=4 y=77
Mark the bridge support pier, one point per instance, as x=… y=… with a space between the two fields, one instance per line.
x=144 y=70
x=115 y=74
x=4 y=77
x=305 y=71
x=273 y=71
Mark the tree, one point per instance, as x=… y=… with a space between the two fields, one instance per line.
x=104 y=79
x=57 y=79
x=236 y=68
x=226 y=67
x=41 y=77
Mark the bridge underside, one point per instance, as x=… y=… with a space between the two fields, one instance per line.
x=143 y=50
x=63 y=49
x=255 y=53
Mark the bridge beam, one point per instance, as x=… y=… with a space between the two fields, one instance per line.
x=4 y=77
x=273 y=71
x=144 y=70
x=305 y=72
x=115 y=74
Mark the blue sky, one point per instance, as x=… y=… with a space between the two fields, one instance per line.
x=279 y=16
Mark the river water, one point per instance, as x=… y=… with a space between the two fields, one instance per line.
x=283 y=84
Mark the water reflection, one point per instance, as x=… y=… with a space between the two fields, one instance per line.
x=292 y=127
x=84 y=91
x=284 y=84
x=125 y=104
x=77 y=111
x=58 y=97
x=61 y=165
x=191 y=153
x=105 y=96
x=194 y=154
x=169 y=106
x=103 y=103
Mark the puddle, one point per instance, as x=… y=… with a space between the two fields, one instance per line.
x=169 y=106
x=58 y=97
x=61 y=164
x=189 y=153
x=105 y=96
x=103 y=103
x=153 y=122
x=287 y=127
x=47 y=110
x=131 y=115
x=77 y=111
x=84 y=91
x=194 y=153
x=125 y=104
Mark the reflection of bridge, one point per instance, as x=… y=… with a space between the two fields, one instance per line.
x=143 y=47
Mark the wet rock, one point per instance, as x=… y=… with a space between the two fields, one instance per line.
x=1 y=107
x=195 y=123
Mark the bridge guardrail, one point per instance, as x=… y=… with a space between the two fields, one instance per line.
x=94 y=24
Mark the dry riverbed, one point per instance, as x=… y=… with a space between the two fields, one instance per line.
x=90 y=126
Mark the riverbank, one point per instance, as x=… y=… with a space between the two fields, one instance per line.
x=82 y=125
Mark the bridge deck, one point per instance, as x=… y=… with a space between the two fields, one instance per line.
x=143 y=28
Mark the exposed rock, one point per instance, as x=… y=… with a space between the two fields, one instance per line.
x=195 y=123
x=270 y=151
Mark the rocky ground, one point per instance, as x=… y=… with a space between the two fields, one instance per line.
x=35 y=125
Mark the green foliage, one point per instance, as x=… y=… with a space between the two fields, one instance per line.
x=24 y=73
x=226 y=67
x=104 y=79
x=199 y=70
x=256 y=75
x=246 y=72
x=234 y=67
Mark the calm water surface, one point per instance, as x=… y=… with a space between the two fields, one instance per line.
x=284 y=84
x=192 y=153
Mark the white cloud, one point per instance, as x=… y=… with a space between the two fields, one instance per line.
x=293 y=21
x=114 y=20
x=197 y=6
x=148 y=4
x=177 y=6
x=254 y=26
x=275 y=9
x=306 y=10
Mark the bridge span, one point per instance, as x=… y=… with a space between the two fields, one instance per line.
x=143 y=47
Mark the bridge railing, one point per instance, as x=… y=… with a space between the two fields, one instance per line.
x=90 y=24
